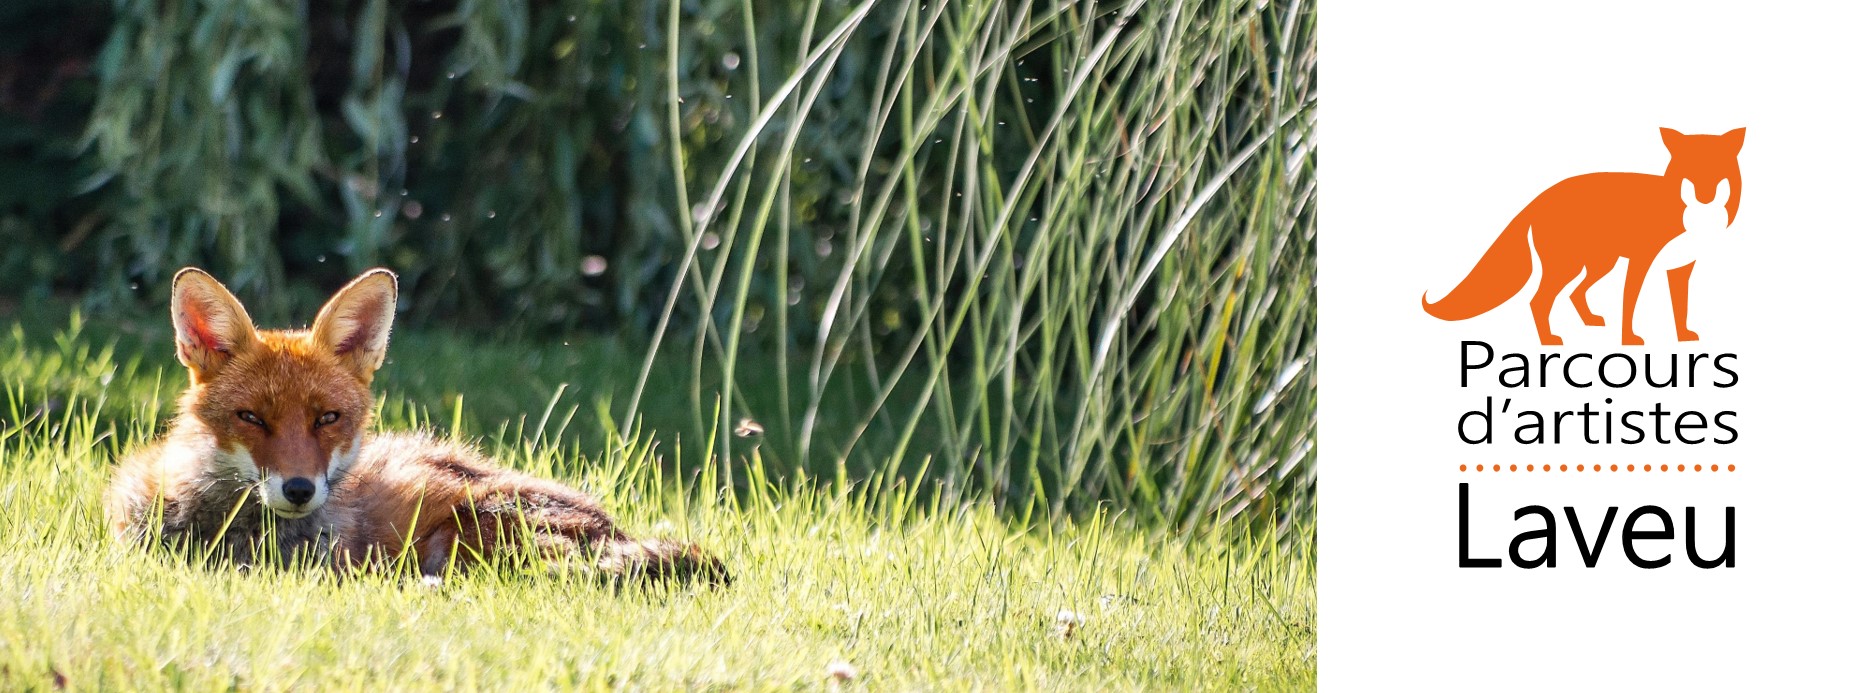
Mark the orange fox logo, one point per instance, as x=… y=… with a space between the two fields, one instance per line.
x=1584 y=224
x=271 y=455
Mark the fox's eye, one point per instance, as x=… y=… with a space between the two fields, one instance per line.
x=251 y=418
x=326 y=419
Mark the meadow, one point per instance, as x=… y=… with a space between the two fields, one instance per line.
x=866 y=585
x=976 y=336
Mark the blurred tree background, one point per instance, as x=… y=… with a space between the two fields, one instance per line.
x=1055 y=253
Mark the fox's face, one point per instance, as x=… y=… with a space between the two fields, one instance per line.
x=287 y=408
x=1706 y=160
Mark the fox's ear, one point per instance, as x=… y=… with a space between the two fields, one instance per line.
x=1671 y=138
x=355 y=323
x=211 y=326
x=1733 y=138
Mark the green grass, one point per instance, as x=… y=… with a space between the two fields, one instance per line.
x=913 y=586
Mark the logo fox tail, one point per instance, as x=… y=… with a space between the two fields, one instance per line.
x=1497 y=277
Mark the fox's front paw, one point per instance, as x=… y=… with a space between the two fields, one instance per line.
x=1550 y=340
x=1685 y=335
x=1633 y=340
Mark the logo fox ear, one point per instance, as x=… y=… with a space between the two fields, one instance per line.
x=355 y=323
x=211 y=326
x=1671 y=138
x=1733 y=138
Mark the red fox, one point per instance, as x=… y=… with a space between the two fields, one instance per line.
x=1584 y=224
x=271 y=455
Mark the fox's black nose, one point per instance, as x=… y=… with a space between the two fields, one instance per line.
x=298 y=490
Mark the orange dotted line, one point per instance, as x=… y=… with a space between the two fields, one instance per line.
x=1596 y=468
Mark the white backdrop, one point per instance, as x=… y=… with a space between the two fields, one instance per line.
x=1440 y=121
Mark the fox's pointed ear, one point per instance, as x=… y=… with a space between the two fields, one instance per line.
x=355 y=323
x=1671 y=138
x=211 y=326
x=1733 y=138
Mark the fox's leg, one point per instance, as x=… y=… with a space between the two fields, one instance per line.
x=553 y=525
x=498 y=536
x=1594 y=272
x=1680 y=301
x=1634 y=280
x=1554 y=277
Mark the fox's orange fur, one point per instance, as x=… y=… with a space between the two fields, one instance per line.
x=272 y=450
x=1582 y=225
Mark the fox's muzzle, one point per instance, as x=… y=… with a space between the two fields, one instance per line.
x=299 y=490
x=294 y=497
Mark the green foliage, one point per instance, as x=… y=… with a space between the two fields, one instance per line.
x=45 y=96
x=950 y=595
x=1056 y=254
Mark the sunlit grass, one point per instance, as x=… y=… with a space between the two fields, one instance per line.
x=912 y=590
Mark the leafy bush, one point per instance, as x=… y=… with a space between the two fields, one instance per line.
x=1059 y=253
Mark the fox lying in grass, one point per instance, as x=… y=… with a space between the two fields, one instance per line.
x=271 y=455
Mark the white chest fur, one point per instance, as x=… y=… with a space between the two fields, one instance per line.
x=1704 y=226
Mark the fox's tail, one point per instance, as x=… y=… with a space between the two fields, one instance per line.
x=657 y=559
x=1497 y=277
